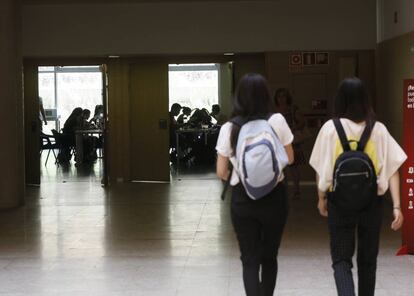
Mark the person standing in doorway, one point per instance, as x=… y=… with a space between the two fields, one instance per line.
x=42 y=114
x=174 y=112
x=351 y=211
x=258 y=224
x=296 y=122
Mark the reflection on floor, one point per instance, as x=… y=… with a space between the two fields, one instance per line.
x=77 y=238
x=71 y=172
x=196 y=172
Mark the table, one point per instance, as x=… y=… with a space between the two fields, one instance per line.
x=203 y=131
x=79 y=134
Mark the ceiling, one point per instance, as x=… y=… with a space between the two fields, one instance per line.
x=57 y=2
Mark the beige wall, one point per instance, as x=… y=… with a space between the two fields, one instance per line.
x=197 y=27
x=387 y=28
x=395 y=62
x=11 y=111
x=321 y=82
x=278 y=74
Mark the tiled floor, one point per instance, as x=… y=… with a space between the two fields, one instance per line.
x=76 y=238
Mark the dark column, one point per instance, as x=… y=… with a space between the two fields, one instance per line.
x=11 y=106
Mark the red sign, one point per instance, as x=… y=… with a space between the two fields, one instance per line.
x=408 y=168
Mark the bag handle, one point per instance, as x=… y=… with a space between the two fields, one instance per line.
x=226 y=184
x=342 y=135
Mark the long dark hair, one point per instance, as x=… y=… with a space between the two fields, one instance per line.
x=252 y=100
x=352 y=101
x=78 y=111
x=286 y=93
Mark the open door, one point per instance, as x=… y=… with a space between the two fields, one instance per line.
x=149 y=121
x=31 y=125
x=105 y=173
x=226 y=88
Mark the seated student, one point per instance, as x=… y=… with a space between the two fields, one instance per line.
x=215 y=113
x=185 y=115
x=73 y=123
x=199 y=118
x=85 y=124
x=98 y=117
x=89 y=142
x=98 y=122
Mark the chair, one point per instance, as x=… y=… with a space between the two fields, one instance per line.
x=48 y=142
x=66 y=149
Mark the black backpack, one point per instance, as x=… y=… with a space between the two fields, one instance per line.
x=354 y=179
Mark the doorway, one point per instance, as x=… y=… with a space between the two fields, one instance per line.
x=199 y=103
x=68 y=119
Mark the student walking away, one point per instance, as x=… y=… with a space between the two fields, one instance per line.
x=284 y=105
x=258 y=145
x=356 y=160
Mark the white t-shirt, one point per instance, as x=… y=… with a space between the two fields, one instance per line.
x=385 y=153
x=277 y=122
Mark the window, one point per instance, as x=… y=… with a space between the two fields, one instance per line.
x=194 y=85
x=65 y=88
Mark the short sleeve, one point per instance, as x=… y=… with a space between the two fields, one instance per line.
x=392 y=157
x=321 y=159
x=223 y=146
x=279 y=124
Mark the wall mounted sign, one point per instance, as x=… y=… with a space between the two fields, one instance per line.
x=295 y=59
x=322 y=58
x=407 y=188
x=295 y=62
x=308 y=58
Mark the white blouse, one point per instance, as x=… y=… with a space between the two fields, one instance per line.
x=385 y=153
x=277 y=122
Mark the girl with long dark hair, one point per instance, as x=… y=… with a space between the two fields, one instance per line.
x=354 y=113
x=258 y=224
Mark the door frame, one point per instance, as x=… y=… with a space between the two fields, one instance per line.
x=31 y=93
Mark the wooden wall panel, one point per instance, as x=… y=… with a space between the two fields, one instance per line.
x=118 y=127
x=149 y=133
x=31 y=124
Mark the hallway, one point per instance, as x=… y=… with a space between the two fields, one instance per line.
x=75 y=238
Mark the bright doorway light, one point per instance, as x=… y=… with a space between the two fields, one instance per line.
x=194 y=85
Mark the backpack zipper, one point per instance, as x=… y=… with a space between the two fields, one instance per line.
x=355 y=174
x=353 y=158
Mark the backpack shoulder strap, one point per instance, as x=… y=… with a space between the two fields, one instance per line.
x=365 y=136
x=269 y=116
x=239 y=121
x=341 y=133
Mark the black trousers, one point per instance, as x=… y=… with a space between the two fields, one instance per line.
x=259 y=227
x=343 y=228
